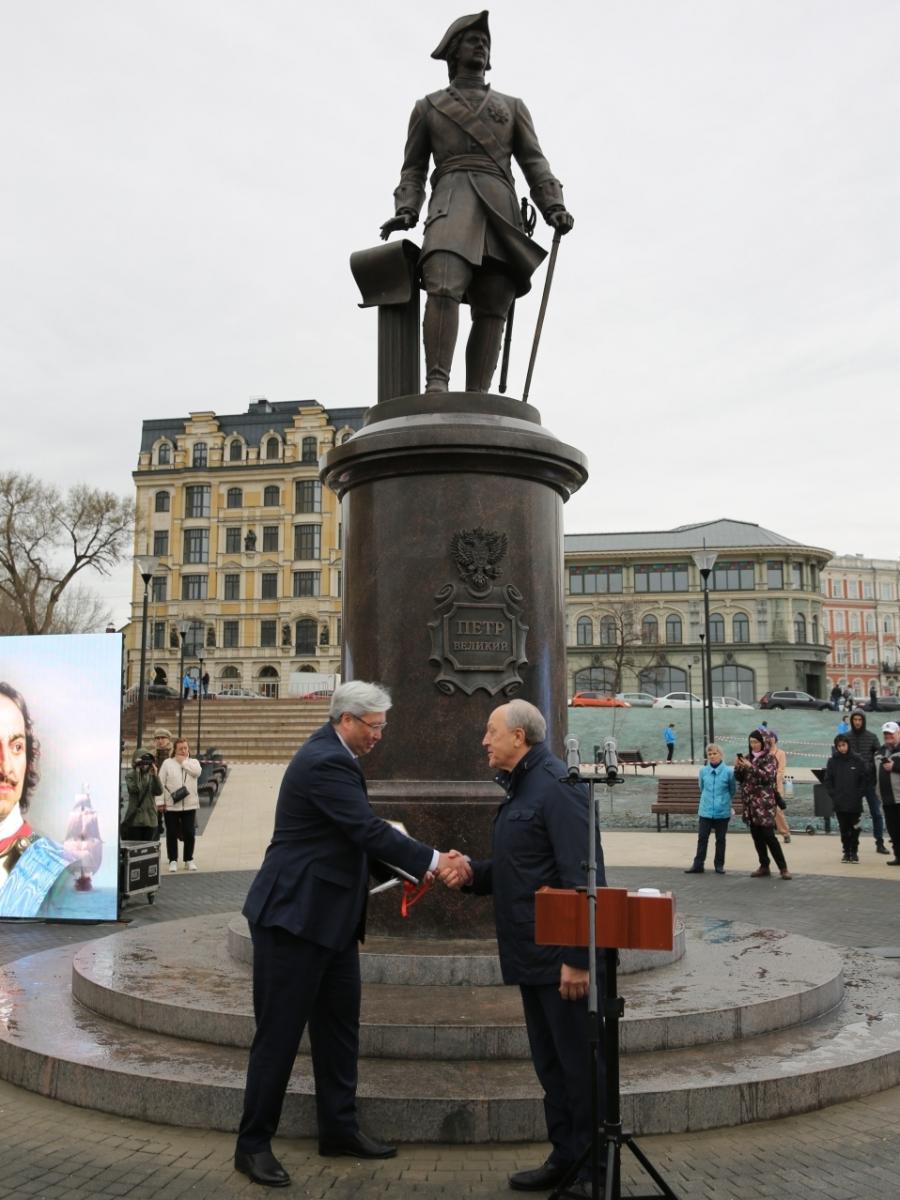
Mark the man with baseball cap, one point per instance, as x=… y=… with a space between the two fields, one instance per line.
x=888 y=761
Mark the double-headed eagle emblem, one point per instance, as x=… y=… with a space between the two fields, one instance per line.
x=477 y=553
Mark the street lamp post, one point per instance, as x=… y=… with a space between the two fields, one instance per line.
x=703 y=689
x=199 y=701
x=706 y=560
x=183 y=627
x=691 y=711
x=146 y=565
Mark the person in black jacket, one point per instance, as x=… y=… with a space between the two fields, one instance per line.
x=307 y=911
x=888 y=762
x=540 y=838
x=845 y=778
x=866 y=745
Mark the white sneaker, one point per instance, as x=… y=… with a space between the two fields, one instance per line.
x=191 y=865
x=173 y=867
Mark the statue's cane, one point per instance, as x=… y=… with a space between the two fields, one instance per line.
x=529 y=219
x=551 y=266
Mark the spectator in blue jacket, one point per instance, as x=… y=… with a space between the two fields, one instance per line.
x=669 y=736
x=717 y=788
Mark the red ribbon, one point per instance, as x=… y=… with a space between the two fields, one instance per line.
x=412 y=894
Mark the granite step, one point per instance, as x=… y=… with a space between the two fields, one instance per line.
x=734 y=982
x=52 y=1044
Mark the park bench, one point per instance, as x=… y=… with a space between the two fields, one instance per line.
x=634 y=758
x=675 y=796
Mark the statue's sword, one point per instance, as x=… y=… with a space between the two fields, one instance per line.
x=529 y=218
x=551 y=266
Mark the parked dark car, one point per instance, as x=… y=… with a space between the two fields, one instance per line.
x=885 y=704
x=792 y=699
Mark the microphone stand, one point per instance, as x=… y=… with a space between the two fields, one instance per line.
x=604 y=1030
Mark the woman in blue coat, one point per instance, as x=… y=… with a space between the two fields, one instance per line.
x=717 y=789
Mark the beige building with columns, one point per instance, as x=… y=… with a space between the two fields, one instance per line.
x=634 y=607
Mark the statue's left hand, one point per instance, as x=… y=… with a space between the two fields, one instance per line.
x=401 y=221
x=561 y=220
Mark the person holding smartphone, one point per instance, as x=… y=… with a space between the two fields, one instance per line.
x=756 y=773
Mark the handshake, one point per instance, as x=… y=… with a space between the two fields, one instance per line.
x=454 y=869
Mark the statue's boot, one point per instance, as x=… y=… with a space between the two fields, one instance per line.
x=483 y=351
x=439 y=330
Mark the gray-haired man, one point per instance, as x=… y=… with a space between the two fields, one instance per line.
x=307 y=911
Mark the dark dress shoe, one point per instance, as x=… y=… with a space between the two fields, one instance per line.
x=541 y=1179
x=262 y=1168
x=356 y=1145
x=695 y=870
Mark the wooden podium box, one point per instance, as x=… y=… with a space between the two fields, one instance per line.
x=625 y=920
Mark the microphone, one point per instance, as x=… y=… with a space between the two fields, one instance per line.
x=610 y=760
x=573 y=758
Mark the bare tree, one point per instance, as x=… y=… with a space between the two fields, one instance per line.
x=46 y=539
x=617 y=641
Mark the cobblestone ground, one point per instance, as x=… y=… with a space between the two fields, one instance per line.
x=850 y=1151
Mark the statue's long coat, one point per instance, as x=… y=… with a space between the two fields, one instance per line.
x=473 y=210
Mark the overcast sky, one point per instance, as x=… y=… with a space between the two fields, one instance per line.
x=184 y=180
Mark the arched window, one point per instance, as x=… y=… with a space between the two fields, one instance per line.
x=673 y=631
x=740 y=628
x=309 y=450
x=272 y=496
x=230 y=673
x=649 y=631
x=235 y=451
x=162 y=502
x=273 y=447
x=584 y=631
x=732 y=680
x=594 y=679
x=234 y=498
x=305 y=631
x=659 y=681
x=200 y=456
x=164 y=454
x=608 y=631
x=716 y=628
x=268 y=682
x=799 y=628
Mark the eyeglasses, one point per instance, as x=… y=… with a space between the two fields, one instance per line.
x=378 y=726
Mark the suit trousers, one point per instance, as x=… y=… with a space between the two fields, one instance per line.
x=559 y=1037
x=297 y=983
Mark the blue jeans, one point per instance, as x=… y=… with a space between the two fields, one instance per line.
x=706 y=826
x=874 y=802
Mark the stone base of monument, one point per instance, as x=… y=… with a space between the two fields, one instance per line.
x=736 y=1024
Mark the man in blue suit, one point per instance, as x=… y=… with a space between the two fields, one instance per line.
x=540 y=839
x=307 y=910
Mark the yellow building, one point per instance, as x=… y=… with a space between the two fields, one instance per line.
x=248 y=544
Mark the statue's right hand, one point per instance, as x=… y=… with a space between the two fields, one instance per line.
x=401 y=221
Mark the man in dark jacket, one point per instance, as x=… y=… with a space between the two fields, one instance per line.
x=475 y=248
x=888 y=762
x=306 y=910
x=540 y=839
x=865 y=744
x=845 y=778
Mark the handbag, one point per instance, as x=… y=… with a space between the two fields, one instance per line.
x=179 y=795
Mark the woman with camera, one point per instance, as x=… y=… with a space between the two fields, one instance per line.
x=143 y=786
x=178 y=776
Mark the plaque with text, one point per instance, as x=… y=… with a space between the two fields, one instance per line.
x=478 y=635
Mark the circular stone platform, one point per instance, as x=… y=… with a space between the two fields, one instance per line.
x=751 y=1024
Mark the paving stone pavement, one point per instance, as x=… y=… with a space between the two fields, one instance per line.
x=53 y=1151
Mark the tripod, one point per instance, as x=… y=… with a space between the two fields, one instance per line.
x=606 y=1141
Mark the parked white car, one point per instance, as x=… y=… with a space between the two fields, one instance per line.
x=637 y=699
x=730 y=702
x=678 y=700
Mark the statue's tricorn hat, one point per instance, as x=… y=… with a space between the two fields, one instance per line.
x=460 y=25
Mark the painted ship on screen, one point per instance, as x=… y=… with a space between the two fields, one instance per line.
x=83 y=842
